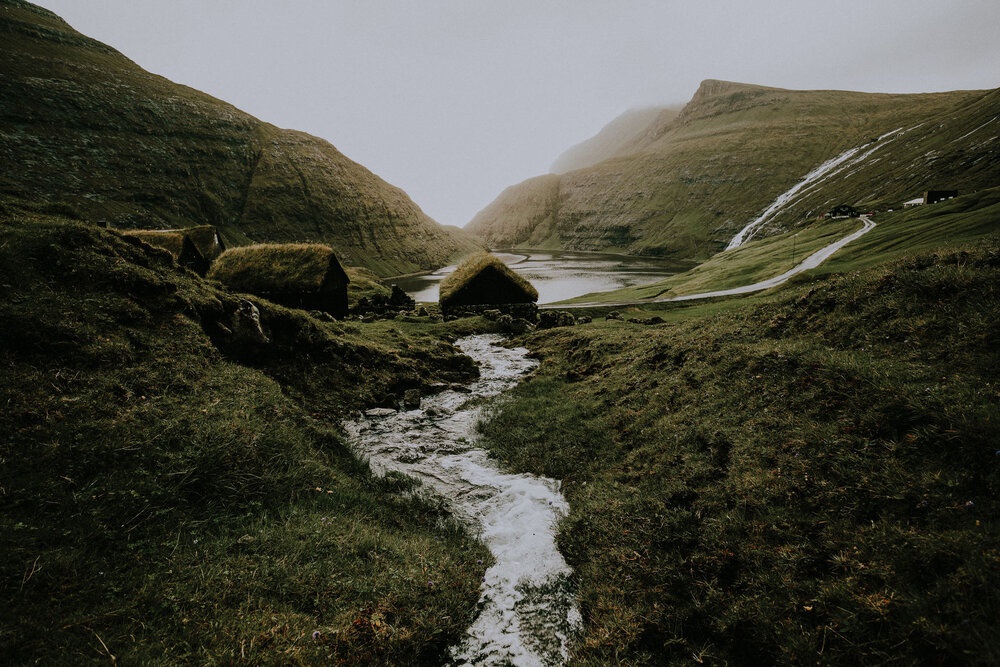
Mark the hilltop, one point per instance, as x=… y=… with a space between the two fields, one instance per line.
x=88 y=134
x=689 y=181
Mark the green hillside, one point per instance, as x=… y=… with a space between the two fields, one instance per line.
x=808 y=476
x=85 y=132
x=693 y=180
x=175 y=492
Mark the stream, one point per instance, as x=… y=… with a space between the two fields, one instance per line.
x=527 y=610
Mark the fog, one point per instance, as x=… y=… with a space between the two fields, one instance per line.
x=454 y=100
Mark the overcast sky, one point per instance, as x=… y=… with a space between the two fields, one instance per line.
x=454 y=100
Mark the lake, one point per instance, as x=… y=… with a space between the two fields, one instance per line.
x=561 y=275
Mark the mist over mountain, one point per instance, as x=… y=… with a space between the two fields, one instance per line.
x=685 y=183
x=87 y=133
x=619 y=137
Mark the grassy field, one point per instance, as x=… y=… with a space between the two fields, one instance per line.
x=809 y=476
x=172 y=496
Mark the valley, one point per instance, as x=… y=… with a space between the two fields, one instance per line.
x=774 y=441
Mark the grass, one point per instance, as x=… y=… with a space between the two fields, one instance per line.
x=171 y=497
x=963 y=220
x=805 y=476
x=754 y=262
x=695 y=179
x=278 y=267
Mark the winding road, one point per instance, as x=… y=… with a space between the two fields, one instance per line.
x=810 y=262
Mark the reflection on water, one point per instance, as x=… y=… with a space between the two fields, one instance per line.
x=562 y=275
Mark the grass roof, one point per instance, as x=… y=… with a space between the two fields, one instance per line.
x=482 y=279
x=279 y=267
x=172 y=241
x=206 y=239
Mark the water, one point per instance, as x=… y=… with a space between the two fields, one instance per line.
x=831 y=167
x=562 y=275
x=527 y=610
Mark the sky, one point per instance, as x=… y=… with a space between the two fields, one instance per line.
x=455 y=100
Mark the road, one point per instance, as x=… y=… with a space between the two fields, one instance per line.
x=810 y=262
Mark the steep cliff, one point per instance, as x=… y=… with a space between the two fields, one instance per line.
x=87 y=133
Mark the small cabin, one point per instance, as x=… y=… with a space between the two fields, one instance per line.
x=192 y=247
x=484 y=282
x=844 y=211
x=297 y=275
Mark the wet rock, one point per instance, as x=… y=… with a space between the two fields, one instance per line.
x=514 y=325
x=377 y=413
x=411 y=399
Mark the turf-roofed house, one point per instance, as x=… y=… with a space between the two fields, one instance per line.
x=194 y=247
x=484 y=282
x=298 y=275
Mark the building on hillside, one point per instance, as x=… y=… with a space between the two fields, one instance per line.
x=176 y=242
x=192 y=247
x=484 y=282
x=935 y=196
x=919 y=201
x=206 y=238
x=297 y=275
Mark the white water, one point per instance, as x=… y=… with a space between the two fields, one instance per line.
x=846 y=159
x=527 y=610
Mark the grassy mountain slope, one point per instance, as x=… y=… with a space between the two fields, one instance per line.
x=965 y=219
x=694 y=180
x=87 y=133
x=809 y=476
x=172 y=494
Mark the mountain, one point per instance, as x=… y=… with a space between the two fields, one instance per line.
x=616 y=138
x=87 y=133
x=691 y=181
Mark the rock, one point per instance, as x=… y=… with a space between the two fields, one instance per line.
x=245 y=329
x=613 y=315
x=584 y=319
x=377 y=413
x=514 y=325
x=411 y=399
x=422 y=312
x=549 y=319
x=492 y=315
